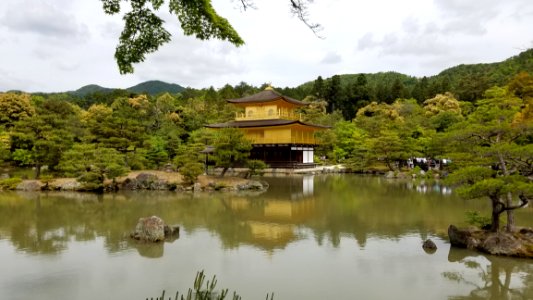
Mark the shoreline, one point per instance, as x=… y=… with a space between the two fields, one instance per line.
x=145 y=180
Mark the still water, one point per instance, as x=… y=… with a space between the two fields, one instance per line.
x=309 y=237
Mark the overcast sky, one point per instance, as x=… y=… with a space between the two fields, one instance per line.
x=61 y=45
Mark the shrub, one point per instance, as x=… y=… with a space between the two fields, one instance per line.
x=474 y=218
x=191 y=171
x=10 y=183
x=256 y=167
x=203 y=290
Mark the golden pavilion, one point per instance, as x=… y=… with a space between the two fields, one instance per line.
x=279 y=137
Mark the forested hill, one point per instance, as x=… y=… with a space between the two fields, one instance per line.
x=153 y=87
x=349 y=92
x=89 y=89
x=478 y=77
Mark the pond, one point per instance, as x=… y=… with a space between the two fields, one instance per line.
x=307 y=237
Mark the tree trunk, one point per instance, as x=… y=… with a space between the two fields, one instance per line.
x=495 y=226
x=509 y=198
x=510 y=215
x=37 y=171
x=224 y=170
x=387 y=162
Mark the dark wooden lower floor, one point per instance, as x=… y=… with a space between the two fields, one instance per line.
x=284 y=156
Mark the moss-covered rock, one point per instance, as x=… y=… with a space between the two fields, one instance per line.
x=515 y=244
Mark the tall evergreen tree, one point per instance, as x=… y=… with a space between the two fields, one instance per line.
x=319 y=88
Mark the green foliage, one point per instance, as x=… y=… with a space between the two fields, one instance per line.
x=191 y=171
x=92 y=164
x=156 y=153
x=22 y=156
x=489 y=150
x=136 y=160
x=15 y=107
x=190 y=153
x=231 y=148
x=475 y=218
x=256 y=166
x=207 y=291
x=144 y=33
x=10 y=183
x=155 y=87
x=467 y=82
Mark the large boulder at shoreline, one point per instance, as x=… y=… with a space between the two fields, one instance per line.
x=516 y=244
x=253 y=185
x=145 y=181
x=153 y=229
x=29 y=185
x=65 y=184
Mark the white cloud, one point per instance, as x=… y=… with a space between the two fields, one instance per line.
x=42 y=18
x=57 y=45
x=331 y=58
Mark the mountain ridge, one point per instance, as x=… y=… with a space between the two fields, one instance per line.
x=151 y=87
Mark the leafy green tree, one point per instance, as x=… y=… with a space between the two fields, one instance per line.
x=163 y=106
x=522 y=85
x=492 y=151
x=472 y=86
x=231 y=148
x=443 y=111
x=345 y=141
x=122 y=126
x=359 y=158
x=144 y=32
x=334 y=94
x=376 y=117
x=191 y=170
x=5 y=145
x=381 y=92
x=319 y=88
x=256 y=167
x=440 y=103
x=40 y=140
x=156 y=153
x=92 y=165
x=227 y=92
x=190 y=152
x=392 y=132
x=15 y=107
x=398 y=90
x=358 y=96
x=420 y=90
x=244 y=89
x=389 y=148
x=480 y=182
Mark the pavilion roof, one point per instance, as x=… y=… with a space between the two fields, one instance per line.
x=267 y=95
x=262 y=123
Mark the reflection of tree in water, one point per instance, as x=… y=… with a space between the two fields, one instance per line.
x=340 y=206
x=497 y=277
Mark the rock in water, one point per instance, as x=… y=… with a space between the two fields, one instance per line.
x=516 y=244
x=151 y=229
x=429 y=246
x=172 y=231
x=463 y=238
x=503 y=244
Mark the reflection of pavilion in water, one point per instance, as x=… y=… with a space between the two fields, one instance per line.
x=434 y=187
x=273 y=220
